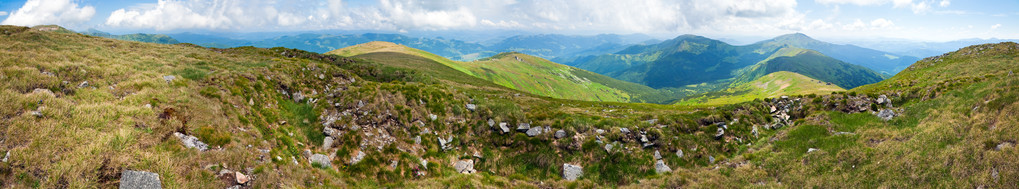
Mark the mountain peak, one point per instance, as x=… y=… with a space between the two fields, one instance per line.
x=795 y=37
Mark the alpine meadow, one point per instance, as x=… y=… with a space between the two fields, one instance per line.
x=509 y=94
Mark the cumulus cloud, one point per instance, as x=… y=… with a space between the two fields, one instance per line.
x=3 y=13
x=41 y=12
x=917 y=6
x=396 y=15
x=944 y=3
x=996 y=26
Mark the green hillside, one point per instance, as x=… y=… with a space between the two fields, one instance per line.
x=883 y=62
x=773 y=85
x=812 y=64
x=521 y=72
x=139 y=37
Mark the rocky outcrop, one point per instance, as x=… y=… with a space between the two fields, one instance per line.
x=661 y=167
x=534 y=131
x=321 y=160
x=464 y=166
x=191 y=141
x=139 y=180
x=886 y=114
x=572 y=172
x=560 y=134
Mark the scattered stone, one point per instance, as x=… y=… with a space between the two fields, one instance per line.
x=721 y=132
x=464 y=166
x=191 y=141
x=43 y=91
x=1004 y=145
x=360 y=104
x=608 y=148
x=329 y=131
x=298 y=96
x=658 y=155
x=711 y=159
x=327 y=143
x=843 y=133
x=599 y=131
x=323 y=160
x=433 y=117
x=624 y=130
x=417 y=140
x=534 y=131
x=811 y=150
x=394 y=163
x=307 y=153
x=560 y=134
x=572 y=172
x=36 y=113
x=424 y=163
x=503 y=127
x=491 y=123
x=523 y=127
x=661 y=167
x=169 y=78
x=652 y=121
x=883 y=99
x=773 y=109
x=139 y=180
x=754 y=131
x=6 y=157
x=241 y=178
x=886 y=114
x=472 y=107
x=679 y=153
x=357 y=158
x=83 y=84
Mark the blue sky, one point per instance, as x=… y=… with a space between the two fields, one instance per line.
x=928 y=20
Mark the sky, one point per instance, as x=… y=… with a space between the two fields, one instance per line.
x=923 y=20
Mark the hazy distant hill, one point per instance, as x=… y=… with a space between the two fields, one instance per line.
x=140 y=37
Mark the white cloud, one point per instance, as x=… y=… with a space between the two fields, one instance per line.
x=3 y=13
x=996 y=26
x=41 y=12
x=881 y=23
x=855 y=2
x=944 y=3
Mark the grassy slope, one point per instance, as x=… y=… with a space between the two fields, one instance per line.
x=529 y=74
x=236 y=98
x=769 y=86
x=956 y=129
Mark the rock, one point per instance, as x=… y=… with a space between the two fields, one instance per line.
x=652 y=121
x=754 y=131
x=643 y=138
x=433 y=117
x=169 y=78
x=658 y=155
x=711 y=159
x=882 y=99
x=444 y=142
x=298 y=96
x=394 y=163
x=417 y=140
x=534 y=131
x=560 y=134
x=322 y=160
x=424 y=163
x=624 y=130
x=773 y=109
x=360 y=104
x=503 y=127
x=329 y=131
x=327 y=143
x=886 y=114
x=472 y=107
x=191 y=141
x=608 y=148
x=43 y=91
x=491 y=123
x=36 y=113
x=83 y=84
x=523 y=127
x=357 y=157
x=139 y=180
x=241 y=178
x=721 y=132
x=811 y=150
x=6 y=157
x=464 y=166
x=1003 y=145
x=307 y=153
x=679 y=153
x=599 y=131
x=572 y=172
x=661 y=167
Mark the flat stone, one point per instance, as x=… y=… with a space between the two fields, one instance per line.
x=658 y=155
x=357 y=157
x=323 y=160
x=139 y=180
x=560 y=134
x=523 y=127
x=464 y=166
x=608 y=147
x=679 y=153
x=327 y=143
x=624 y=130
x=572 y=172
x=599 y=131
x=661 y=167
x=504 y=127
x=811 y=150
x=241 y=178
x=169 y=78
x=433 y=117
x=191 y=141
x=534 y=131
x=491 y=123
x=472 y=107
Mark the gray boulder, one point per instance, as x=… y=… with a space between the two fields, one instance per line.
x=433 y=117
x=624 y=130
x=472 y=107
x=661 y=167
x=608 y=148
x=443 y=142
x=523 y=127
x=711 y=159
x=298 y=96
x=572 y=172
x=491 y=123
x=464 y=166
x=417 y=140
x=327 y=143
x=599 y=131
x=503 y=127
x=560 y=134
x=679 y=153
x=886 y=114
x=357 y=158
x=322 y=160
x=191 y=141
x=534 y=131
x=658 y=155
x=139 y=180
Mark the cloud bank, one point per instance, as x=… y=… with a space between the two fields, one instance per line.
x=41 y=12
